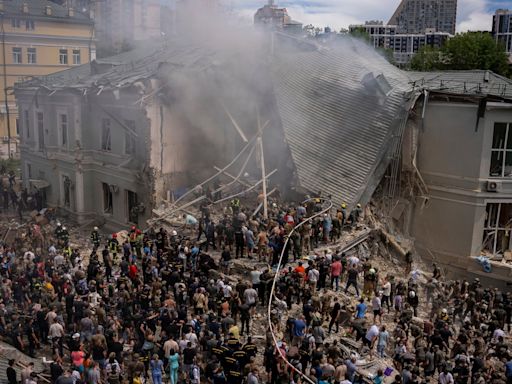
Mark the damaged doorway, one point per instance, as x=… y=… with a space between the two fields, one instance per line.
x=132 y=207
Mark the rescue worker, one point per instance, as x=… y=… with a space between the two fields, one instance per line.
x=235 y=205
x=355 y=215
x=58 y=230
x=95 y=238
x=139 y=240
x=64 y=237
x=344 y=214
x=113 y=245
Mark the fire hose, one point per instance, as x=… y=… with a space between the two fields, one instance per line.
x=276 y=277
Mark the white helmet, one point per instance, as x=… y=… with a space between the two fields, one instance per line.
x=95 y=228
x=372 y=270
x=412 y=294
x=174 y=233
x=64 y=228
x=59 y=224
x=444 y=310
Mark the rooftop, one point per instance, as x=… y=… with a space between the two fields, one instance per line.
x=37 y=9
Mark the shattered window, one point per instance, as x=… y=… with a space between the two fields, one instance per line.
x=106 y=141
x=108 y=206
x=64 y=129
x=40 y=130
x=498 y=223
x=501 y=151
x=129 y=139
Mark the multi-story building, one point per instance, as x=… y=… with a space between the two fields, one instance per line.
x=502 y=29
x=39 y=37
x=416 y=16
x=120 y=23
x=404 y=46
x=270 y=15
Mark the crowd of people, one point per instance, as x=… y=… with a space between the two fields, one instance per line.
x=155 y=306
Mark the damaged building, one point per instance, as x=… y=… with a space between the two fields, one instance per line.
x=116 y=138
x=119 y=139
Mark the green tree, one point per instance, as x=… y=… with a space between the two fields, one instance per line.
x=360 y=32
x=427 y=59
x=464 y=51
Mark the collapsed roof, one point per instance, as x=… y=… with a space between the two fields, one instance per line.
x=339 y=107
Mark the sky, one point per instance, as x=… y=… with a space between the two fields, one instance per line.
x=471 y=14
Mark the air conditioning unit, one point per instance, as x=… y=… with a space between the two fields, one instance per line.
x=493 y=186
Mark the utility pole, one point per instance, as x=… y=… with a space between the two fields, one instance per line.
x=5 y=90
x=264 y=178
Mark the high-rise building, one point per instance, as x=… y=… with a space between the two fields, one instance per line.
x=502 y=29
x=120 y=23
x=403 y=45
x=417 y=16
x=39 y=37
x=270 y=15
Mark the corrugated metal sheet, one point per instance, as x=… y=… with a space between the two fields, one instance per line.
x=338 y=130
x=473 y=82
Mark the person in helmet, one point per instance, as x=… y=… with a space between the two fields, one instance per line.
x=355 y=215
x=413 y=301
x=95 y=238
x=113 y=246
x=58 y=230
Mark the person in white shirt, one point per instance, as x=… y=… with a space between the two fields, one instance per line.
x=313 y=276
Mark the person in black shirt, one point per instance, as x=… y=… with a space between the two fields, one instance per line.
x=11 y=373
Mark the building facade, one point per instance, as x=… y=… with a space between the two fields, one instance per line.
x=459 y=139
x=403 y=46
x=416 y=16
x=270 y=15
x=502 y=29
x=38 y=38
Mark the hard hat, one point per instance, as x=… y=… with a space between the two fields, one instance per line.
x=274 y=205
x=95 y=228
x=412 y=294
x=64 y=228
x=174 y=233
x=343 y=205
x=76 y=336
x=445 y=311
x=114 y=235
x=372 y=270
x=358 y=205
x=59 y=224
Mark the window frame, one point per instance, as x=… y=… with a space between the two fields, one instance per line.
x=31 y=55
x=495 y=227
x=17 y=55
x=106 y=135
x=502 y=152
x=77 y=56
x=63 y=133
x=63 y=56
x=40 y=130
x=26 y=123
x=108 y=199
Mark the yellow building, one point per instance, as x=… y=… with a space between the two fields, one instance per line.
x=38 y=37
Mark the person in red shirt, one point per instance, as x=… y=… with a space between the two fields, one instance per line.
x=300 y=269
x=132 y=271
x=336 y=269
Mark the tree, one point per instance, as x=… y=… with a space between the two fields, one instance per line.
x=427 y=59
x=464 y=51
x=360 y=32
